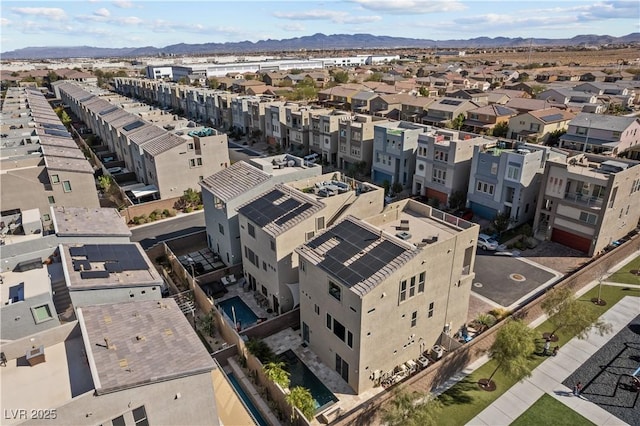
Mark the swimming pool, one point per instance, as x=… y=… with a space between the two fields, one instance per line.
x=300 y=375
x=247 y=401
x=243 y=314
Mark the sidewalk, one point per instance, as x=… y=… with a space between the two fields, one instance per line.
x=548 y=376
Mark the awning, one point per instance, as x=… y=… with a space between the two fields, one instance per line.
x=295 y=293
x=144 y=191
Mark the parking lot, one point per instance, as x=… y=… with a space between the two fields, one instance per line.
x=507 y=281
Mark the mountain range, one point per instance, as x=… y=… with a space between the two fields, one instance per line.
x=314 y=42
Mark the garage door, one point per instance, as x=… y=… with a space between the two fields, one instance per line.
x=571 y=240
x=440 y=196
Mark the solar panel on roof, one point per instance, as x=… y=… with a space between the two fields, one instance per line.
x=54 y=132
x=132 y=126
x=552 y=117
x=450 y=102
x=94 y=274
x=108 y=110
x=113 y=267
x=77 y=251
x=289 y=204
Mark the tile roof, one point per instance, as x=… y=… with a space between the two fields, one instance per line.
x=137 y=343
x=357 y=254
x=68 y=164
x=145 y=133
x=234 y=181
x=280 y=209
x=601 y=121
x=552 y=115
x=163 y=144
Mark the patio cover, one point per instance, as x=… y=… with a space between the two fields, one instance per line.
x=144 y=191
x=295 y=293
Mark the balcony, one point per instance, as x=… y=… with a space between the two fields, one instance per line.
x=584 y=200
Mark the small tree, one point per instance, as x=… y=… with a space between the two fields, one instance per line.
x=568 y=313
x=412 y=409
x=501 y=222
x=457 y=200
x=514 y=344
x=423 y=91
x=276 y=373
x=302 y=399
x=500 y=130
x=340 y=77
x=106 y=183
x=457 y=122
x=376 y=76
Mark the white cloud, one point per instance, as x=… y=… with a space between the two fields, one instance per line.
x=293 y=27
x=102 y=12
x=326 y=15
x=129 y=20
x=4 y=21
x=54 y=13
x=411 y=7
x=123 y=4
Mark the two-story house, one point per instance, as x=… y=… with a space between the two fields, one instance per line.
x=602 y=134
x=535 y=126
x=444 y=110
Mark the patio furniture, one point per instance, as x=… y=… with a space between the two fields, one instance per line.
x=228 y=280
x=423 y=361
x=412 y=366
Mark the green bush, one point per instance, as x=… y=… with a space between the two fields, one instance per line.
x=260 y=350
x=199 y=207
x=188 y=209
x=166 y=213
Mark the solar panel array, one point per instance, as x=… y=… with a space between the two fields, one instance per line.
x=116 y=258
x=264 y=210
x=450 y=102
x=355 y=240
x=552 y=117
x=132 y=126
x=60 y=133
x=108 y=110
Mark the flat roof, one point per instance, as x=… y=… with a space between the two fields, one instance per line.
x=137 y=343
x=97 y=266
x=29 y=283
x=82 y=221
x=66 y=371
x=78 y=165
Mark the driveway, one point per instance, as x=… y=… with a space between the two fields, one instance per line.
x=508 y=281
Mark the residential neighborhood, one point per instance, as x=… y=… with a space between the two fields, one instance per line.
x=336 y=235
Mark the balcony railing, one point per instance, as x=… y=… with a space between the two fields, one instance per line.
x=584 y=200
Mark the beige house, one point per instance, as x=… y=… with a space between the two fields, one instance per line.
x=355 y=142
x=379 y=292
x=588 y=201
x=535 y=126
x=273 y=224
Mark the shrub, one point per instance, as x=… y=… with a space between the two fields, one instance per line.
x=166 y=213
x=500 y=313
x=260 y=350
x=188 y=209
x=199 y=207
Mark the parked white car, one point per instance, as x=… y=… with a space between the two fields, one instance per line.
x=485 y=242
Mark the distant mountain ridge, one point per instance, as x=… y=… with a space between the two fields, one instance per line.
x=312 y=42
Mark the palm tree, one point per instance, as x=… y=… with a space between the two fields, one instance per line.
x=276 y=373
x=412 y=409
x=302 y=399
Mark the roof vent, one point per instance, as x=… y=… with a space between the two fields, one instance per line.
x=140 y=337
x=110 y=345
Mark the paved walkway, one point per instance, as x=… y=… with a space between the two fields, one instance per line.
x=548 y=376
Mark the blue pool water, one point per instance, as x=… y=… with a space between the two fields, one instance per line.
x=243 y=314
x=300 y=375
x=247 y=401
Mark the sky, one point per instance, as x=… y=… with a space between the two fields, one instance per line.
x=137 y=23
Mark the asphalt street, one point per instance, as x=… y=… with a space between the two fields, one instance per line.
x=148 y=235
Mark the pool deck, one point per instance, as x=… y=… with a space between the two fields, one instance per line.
x=347 y=399
x=247 y=297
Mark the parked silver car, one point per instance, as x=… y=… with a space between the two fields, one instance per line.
x=485 y=242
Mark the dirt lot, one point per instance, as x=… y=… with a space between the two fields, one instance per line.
x=597 y=58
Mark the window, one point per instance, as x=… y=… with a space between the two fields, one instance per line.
x=55 y=179
x=339 y=330
x=316 y=309
x=494 y=168
x=589 y=218
x=403 y=290
x=199 y=161
x=421 y=282
x=51 y=199
x=190 y=146
x=42 y=313
x=430 y=312
x=251 y=230
x=414 y=318
x=534 y=127
x=513 y=172
x=264 y=265
x=140 y=416
x=320 y=223
x=329 y=321
x=118 y=421
x=66 y=186
x=441 y=155
x=221 y=228
x=484 y=187
x=335 y=291
x=439 y=176
x=308 y=235
x=349 y=339
x=273 y=245
x=412 y=287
